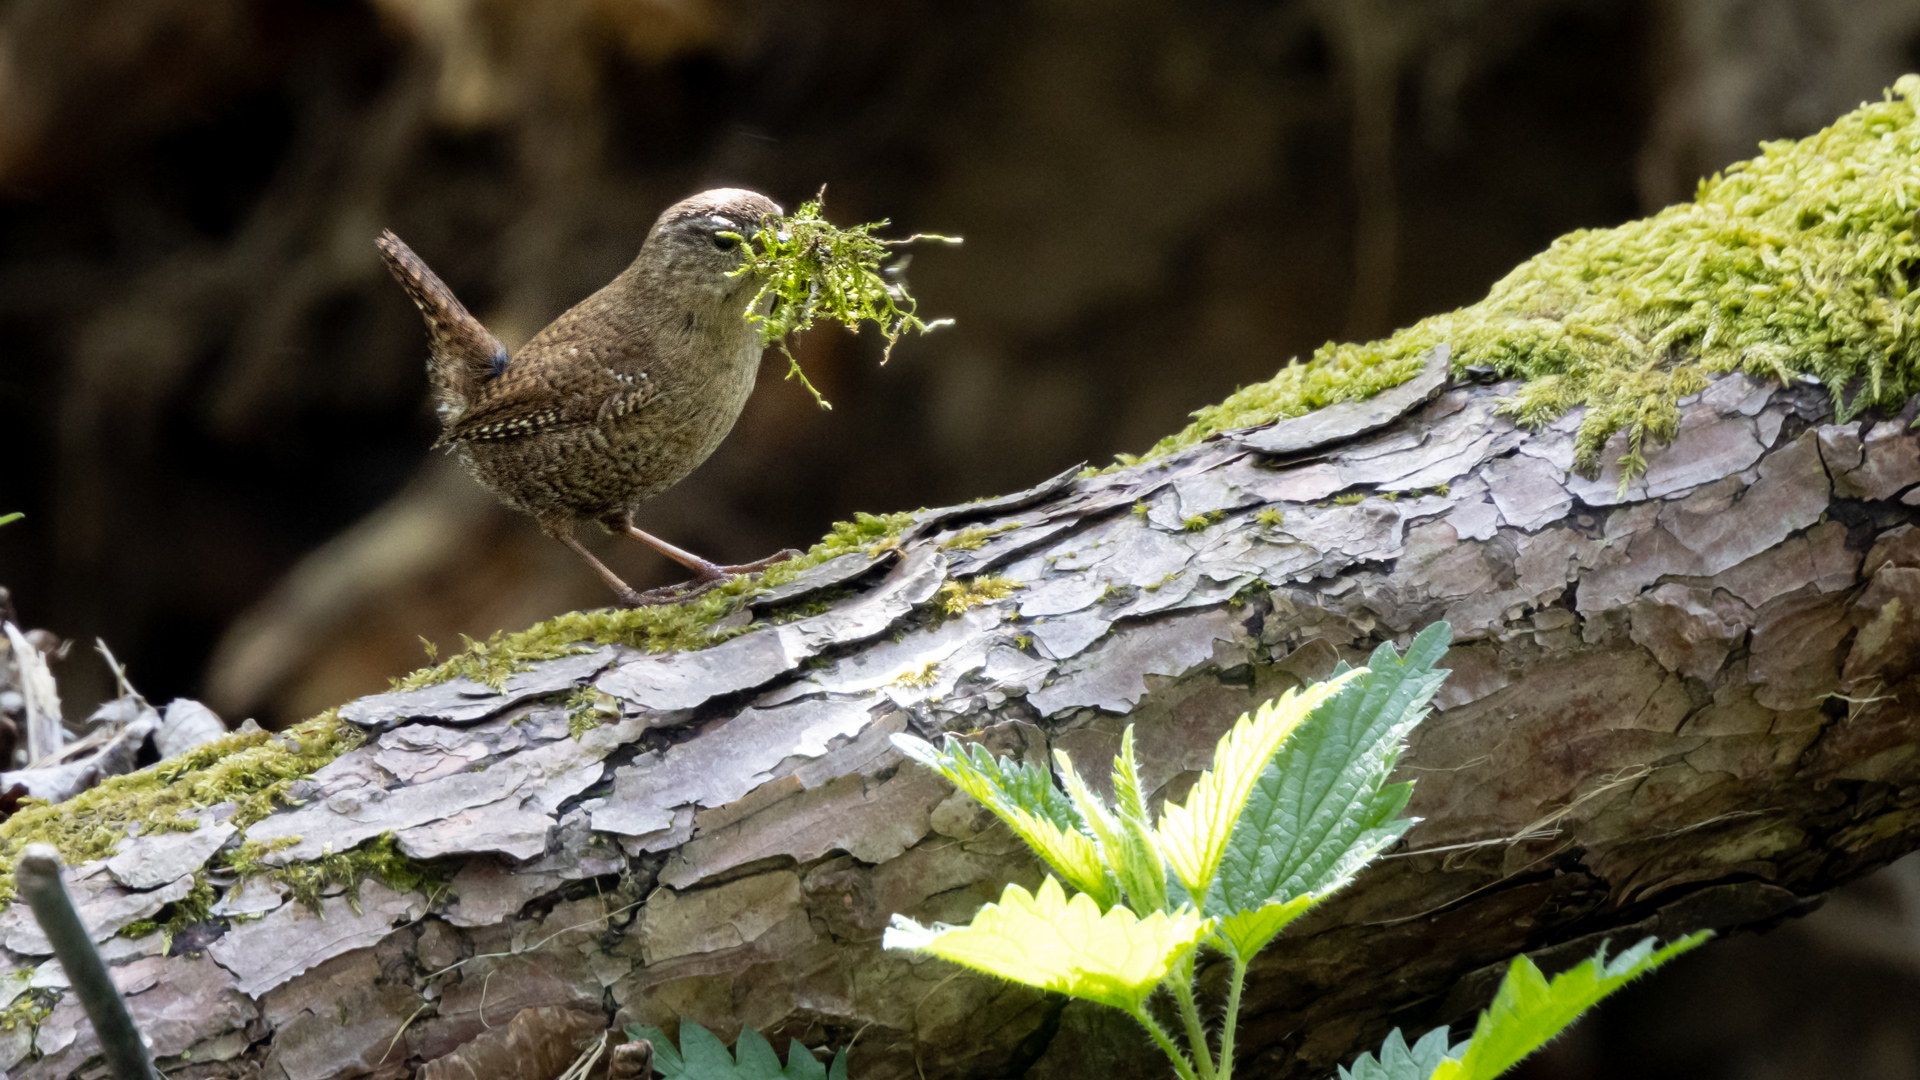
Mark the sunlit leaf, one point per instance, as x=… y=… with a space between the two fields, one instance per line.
x=1129 y=799
x=1193 y=835
x=1026 y=799
x=1045 y=940
x=1322 y=809
x=1244 y=933
x=1126 y=848
x=1528 y=1010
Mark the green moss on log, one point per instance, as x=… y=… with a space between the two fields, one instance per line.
x=252 y=770
x=665 y=628
x=1798 y=262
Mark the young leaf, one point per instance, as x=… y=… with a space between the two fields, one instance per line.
x=1246 y=932
x=1192 y=837
x=1528 y=1010
x=1322 y=809
x=1398 y=1061
x=1045 y=940
x=1126 y=847
x=1025 y=798
x=1126 y=782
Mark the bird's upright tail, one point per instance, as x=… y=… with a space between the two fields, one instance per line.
x=461 y=353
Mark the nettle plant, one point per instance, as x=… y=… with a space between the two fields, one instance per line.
x=1296 y=803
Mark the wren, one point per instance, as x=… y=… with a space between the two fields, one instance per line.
x=620 y=397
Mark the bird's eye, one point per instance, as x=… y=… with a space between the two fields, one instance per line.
x=725 y=242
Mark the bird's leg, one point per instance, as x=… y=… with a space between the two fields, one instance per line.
x=563 y=532
x=706 y=574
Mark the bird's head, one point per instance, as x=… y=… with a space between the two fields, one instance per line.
x=690 y=247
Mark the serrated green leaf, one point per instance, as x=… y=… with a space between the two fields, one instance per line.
x=754 y=1058
x=1126 y=848
x=665 y=1058
x=1244 y=933
x=1322 y=809
x=705 y=1055
x=702 y=1056
x=1026 y=799
x=1129 y=799
x=1398 y=1061
x=1045 y=940
x=1193 y=835
x=1528 y=1010
x=802 y=1065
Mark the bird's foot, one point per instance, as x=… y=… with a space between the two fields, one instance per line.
x=671 y=594
x=707 y=576
x=755 y=567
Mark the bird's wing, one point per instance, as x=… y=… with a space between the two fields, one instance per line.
x=462 y=355
x=534 y=397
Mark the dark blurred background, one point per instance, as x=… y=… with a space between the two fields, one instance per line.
x=212 y=397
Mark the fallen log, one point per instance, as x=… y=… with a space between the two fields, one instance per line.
x=1682 y=701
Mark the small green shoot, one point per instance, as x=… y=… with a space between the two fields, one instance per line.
x=1527 y=1011
x=702 y=1056
x=8 y=519
x=811 y=269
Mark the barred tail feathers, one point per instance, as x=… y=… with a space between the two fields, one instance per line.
x=462 y=354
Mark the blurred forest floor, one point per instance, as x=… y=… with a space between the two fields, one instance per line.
x=213 y=397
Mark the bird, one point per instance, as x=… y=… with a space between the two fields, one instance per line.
x=618 y=399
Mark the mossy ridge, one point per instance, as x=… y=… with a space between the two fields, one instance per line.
x=1795 y=262
x=671 y=627
x=252 y=770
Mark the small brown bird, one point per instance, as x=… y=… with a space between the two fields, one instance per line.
x=619 y=398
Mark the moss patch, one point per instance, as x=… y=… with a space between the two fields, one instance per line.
x=955 y=597
x=811 y=269
x=190 y=910
x=253 y=770
x=307 y=882
x=665 y=628
x=1797 y=262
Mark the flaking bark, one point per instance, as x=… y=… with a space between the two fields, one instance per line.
x=1687 y=701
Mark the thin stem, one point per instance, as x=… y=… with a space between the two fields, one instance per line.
x=1180 y=1063
x=1190 y=1015
x=38 y=877
x=1235 y=982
